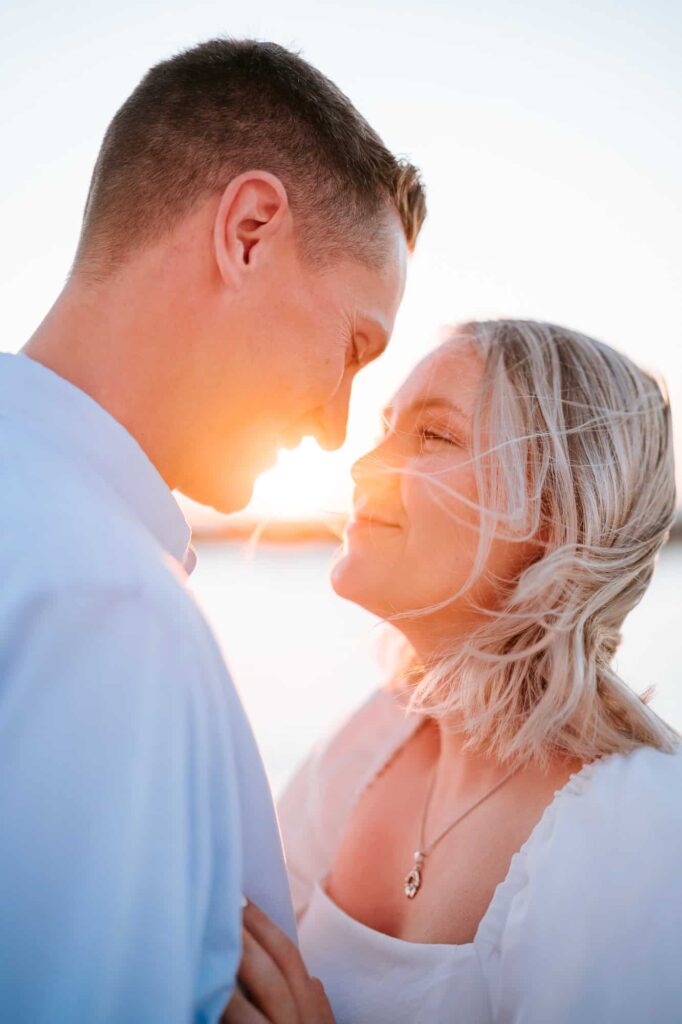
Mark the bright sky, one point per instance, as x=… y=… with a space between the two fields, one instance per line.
x=548 y=134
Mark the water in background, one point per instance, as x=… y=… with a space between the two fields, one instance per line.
x=303 y=659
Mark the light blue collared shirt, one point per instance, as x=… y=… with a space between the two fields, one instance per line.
x=134 y=809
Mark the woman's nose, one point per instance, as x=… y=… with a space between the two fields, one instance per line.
x=373 y=467
x=358 y=469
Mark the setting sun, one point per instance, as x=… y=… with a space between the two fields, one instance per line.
x=306 y=483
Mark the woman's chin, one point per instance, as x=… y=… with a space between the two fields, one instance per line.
x=342 y=576
x=349 y=579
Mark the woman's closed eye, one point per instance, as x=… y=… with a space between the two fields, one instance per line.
x=432 y=436
x=435 y=436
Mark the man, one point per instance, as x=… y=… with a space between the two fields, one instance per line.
x=242 y=255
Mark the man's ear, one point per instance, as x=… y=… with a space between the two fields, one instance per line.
x=253 y=210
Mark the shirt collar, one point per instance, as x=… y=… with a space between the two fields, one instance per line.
x=83 y=429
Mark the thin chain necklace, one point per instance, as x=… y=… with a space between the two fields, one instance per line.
x=413 y=880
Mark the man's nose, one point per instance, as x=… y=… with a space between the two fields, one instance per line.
x=331 y=420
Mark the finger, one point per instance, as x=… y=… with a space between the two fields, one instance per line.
x=240 y=1011
x=324 y=1012
x=282 y=951
x=319 y=1007
x=267 y=986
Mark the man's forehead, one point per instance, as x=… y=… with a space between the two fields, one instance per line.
x=398 y=265
x=375 y=310
x=390 y=276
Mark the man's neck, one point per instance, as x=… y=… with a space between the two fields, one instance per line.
x=100 y=341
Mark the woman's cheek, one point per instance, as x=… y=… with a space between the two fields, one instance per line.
x=443 y=530
x=438 y=496
x=430 y=515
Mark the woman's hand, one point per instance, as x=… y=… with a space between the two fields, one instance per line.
x=274 y=985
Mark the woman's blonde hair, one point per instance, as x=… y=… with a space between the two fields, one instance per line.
x=571 y=443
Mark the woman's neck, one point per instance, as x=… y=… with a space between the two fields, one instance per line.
x=459 y=771
x=463 y=776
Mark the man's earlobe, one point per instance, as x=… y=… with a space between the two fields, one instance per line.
x=253 y=210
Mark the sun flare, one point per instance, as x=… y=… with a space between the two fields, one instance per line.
x=306 y=483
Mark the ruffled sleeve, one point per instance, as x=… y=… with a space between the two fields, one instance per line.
x=590 y=927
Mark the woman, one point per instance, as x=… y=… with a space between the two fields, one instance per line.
x=498 y=836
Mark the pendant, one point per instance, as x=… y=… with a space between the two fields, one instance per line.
x=413 y=881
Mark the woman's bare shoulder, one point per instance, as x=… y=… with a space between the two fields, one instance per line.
x=316 y=803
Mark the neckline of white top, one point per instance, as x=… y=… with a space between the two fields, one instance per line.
x=504 y=891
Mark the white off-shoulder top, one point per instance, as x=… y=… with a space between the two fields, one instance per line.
x=585 y=929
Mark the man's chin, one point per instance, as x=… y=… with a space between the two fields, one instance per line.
x=226 y=498
x=235 y=498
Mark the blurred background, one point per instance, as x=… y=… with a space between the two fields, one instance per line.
x=549 y=137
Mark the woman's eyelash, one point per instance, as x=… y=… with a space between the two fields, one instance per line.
x=423 y=433
x=433 y=435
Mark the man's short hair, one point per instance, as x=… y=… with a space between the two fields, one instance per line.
x=228 y=106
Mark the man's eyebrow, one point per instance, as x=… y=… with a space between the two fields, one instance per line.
x=421 y=404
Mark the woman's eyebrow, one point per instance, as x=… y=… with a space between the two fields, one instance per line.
x=420 y=405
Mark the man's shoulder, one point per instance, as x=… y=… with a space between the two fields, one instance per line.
x=94 y=585
x=64 y=531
